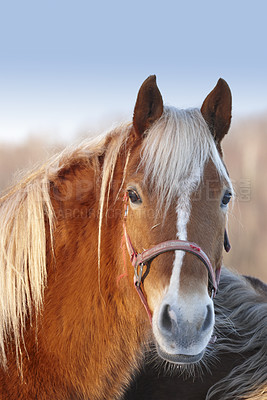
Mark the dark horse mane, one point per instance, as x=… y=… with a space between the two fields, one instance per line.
x=234 y=367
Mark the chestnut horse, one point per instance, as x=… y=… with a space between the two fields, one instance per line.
x=109 y=243
x=233 y=368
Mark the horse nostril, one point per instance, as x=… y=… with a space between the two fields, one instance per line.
x=166 y=321
x=208 y=319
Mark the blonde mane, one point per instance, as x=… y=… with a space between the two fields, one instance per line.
x=23 y=254
x=175 y=151
x=25 y=211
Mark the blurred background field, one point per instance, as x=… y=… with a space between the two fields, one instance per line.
x=245 y=155
x=245 y=151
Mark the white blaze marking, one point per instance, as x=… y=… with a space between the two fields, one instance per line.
x=183 y=214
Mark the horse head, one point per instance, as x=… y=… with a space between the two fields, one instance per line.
x=177 y=190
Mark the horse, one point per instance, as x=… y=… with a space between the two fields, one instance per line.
x=234 y=367
x=110 y=242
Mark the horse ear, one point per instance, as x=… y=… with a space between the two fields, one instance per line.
x=216 y=110
x=148 y=107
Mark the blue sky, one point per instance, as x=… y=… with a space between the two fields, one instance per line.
x=66 y=66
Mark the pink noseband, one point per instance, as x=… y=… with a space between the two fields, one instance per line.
x=139 y=260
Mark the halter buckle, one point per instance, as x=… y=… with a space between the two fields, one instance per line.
x=138 y=275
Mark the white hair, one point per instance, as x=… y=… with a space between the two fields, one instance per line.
x=175 y=151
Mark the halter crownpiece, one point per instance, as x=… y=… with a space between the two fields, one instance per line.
x=139 y=260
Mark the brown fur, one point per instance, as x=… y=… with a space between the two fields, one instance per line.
x=216 y=112
x=61 y=362
x=91 y=333
x=149 y=106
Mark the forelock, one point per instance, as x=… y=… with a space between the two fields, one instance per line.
x=175 y=151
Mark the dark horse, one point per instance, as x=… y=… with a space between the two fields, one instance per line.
x=115 y=242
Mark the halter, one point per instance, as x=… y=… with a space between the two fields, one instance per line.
x=140 y=260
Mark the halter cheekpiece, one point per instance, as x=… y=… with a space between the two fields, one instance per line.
x=141 y=260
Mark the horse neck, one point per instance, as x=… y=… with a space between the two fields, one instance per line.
x=88 y=308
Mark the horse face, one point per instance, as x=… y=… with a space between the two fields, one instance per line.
x=177 y=287
x=177 y=284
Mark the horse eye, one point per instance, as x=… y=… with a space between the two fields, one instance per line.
x=134 y=196
x=226 y=198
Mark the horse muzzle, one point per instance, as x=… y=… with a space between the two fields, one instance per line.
x=183 y=329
